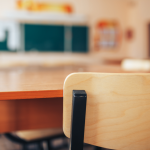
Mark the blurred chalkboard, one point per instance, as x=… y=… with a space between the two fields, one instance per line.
x=80 y=38
x=52 y=38
x=44 y=37
x=41 y=37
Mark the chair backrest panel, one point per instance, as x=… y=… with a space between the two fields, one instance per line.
x=117 y=111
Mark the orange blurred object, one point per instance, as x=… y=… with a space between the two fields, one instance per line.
x=107 y=35
x=32 y=5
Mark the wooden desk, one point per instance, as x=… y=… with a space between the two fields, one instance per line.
x=32 y=98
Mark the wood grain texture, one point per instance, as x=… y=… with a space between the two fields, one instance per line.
x=30 y=114
x=30 y=84
x=118 y=109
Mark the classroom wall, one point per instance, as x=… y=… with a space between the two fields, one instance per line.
x=95 y=10
x=138 y=20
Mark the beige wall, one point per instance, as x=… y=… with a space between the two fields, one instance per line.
x=6 y=5
x=139 y=17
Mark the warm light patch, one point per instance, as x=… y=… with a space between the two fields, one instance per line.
x=32 y=5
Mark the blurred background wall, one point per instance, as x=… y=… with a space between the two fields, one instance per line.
x=139 y=20
x=95 y=10
x=133 y=17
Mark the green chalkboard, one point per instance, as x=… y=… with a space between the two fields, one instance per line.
x=44 y=37
x=80 y=38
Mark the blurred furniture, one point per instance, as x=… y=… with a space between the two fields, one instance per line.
x=38 y=137
x=135 y=64
x=117 y=110
x=31 y=98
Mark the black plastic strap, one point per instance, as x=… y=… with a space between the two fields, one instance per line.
x=78 y=120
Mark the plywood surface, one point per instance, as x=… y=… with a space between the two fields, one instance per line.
x=118 y=109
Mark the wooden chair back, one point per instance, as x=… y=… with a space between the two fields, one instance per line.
x=117 y=109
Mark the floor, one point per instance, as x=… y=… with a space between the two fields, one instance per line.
x=6 y=144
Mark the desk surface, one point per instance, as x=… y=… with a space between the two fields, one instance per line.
x=32 y=83
x=31 y=98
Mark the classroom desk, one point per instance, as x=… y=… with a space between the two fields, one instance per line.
x=32 y=98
